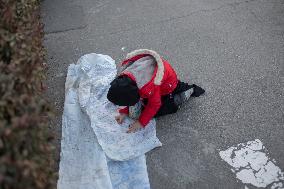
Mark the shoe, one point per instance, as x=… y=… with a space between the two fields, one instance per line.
x=182 y=97
x=188 y=93
x=197 y=91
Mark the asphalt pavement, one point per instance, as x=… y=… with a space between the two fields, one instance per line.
x=234 y=49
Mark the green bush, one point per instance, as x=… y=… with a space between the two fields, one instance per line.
x=25 y=146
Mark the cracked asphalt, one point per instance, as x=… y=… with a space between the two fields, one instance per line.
x=232 y=48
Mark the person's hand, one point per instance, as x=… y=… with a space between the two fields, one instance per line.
x=135 y=126
x=120 y=118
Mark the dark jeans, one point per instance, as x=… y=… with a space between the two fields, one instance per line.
x=168 y=104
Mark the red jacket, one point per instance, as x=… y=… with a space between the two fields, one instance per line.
x=163 y=82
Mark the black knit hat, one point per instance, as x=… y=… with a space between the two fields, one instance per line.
x=123 y=91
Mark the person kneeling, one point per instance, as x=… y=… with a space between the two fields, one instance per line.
x=149 y=87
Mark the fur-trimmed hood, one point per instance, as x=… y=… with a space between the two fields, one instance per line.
x=137 y=54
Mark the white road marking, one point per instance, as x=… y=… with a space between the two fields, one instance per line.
x=252 y=165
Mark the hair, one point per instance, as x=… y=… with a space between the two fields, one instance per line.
x=123 y=91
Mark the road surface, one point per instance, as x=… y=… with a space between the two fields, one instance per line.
x=232 y=48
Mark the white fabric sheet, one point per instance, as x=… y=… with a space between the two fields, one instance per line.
x=96 y=152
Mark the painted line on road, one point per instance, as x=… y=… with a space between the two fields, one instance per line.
x=252 y=165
